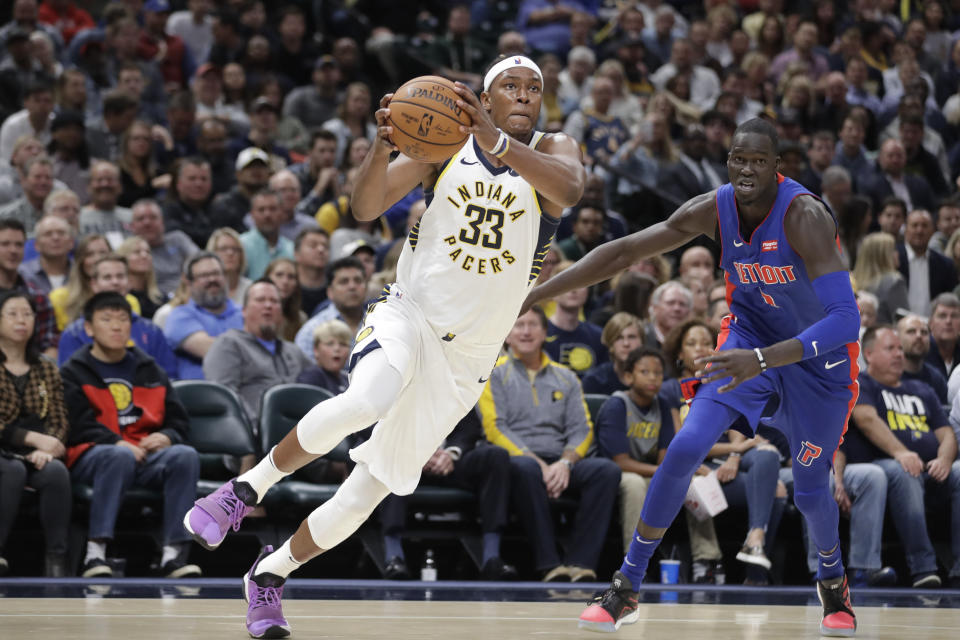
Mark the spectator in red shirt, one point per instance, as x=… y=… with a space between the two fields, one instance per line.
x=169 y=52
x=66 y=16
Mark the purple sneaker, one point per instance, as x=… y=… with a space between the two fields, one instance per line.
x=210 y=518
x=264 y=610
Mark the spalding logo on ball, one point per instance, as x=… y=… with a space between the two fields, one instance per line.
x=426 y=119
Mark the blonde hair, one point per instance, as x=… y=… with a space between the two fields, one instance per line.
x=874 y=259
x=951 y=243
x=78 y=282
x=617 y=324
x=227 y=231
x=332 y=330
x=125 y=249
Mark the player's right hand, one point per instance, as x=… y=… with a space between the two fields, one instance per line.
x=383 y=127
x=910 y=462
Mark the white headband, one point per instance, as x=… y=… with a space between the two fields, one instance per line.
x=509 y=63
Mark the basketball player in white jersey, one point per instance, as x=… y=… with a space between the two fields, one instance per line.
x=429 y=342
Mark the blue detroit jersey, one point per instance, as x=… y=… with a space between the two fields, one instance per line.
x=769 y=292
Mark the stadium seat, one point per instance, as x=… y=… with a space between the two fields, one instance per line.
x=281 y=408
x=594 y=402
x=218 y=427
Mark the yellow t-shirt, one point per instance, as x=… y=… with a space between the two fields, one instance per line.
x=58 y=300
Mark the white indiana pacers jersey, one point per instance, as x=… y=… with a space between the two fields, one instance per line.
x=478 y=249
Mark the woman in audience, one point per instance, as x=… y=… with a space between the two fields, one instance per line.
x=759 y=87
x=877 y=271
x=770 y=40
x=853 y=221
x=225 y=243
x=68 y=300
x=235 y=87
x=952 y=251
x=622 y=334
x=331 y=346
x=750 y=472
x=33 y=431
x=143 y=280
x=283 y=273
x=138 y=170
x=354 y=119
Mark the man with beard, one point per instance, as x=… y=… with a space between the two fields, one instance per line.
x=191 y=328
x=103 y=215
x=914 y=335
x=253 y=173
x=253 y=359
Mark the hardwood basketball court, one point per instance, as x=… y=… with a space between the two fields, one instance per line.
x=176 y=612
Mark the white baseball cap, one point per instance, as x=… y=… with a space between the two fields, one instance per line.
x=252 y=154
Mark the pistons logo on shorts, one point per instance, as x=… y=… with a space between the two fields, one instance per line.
x=809 y=453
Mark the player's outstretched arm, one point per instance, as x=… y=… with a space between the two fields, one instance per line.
x=555 y=170
x=382 y=183
x=695 y=217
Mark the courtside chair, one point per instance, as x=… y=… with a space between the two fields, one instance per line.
x=281 y=408
x=218 y=427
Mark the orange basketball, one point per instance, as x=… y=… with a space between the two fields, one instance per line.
x=426 y=119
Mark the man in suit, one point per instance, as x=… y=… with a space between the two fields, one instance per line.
x=693 y=174
x=927 y=272
x=890 y=179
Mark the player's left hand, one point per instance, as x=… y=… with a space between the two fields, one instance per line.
x=482 y=128
x=938 y=469
x=741 y=364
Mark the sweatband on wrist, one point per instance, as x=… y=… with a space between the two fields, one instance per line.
x=503 y=143
x=507 y=63
x=841 y=325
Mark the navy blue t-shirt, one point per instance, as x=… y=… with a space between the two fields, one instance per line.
x=603 y=379
x=580 y=349
x=614 y=434
x=911 y=411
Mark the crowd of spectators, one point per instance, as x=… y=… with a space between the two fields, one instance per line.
x=175 y=185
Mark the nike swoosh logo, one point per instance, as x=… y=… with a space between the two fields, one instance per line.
x=737 y=244
x=483 y=380
x=464 y=161
x=814 y=345
x=831 y=365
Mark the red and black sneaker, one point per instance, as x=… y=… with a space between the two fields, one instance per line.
x=839 y=621
x=612 y=608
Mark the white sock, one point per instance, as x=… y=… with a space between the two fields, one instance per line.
x=96 y=550
x=263 y=476
x=279 y=563
x=170 y=552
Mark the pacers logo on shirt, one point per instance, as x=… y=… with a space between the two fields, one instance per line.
x=905 y=413
x=122 y=392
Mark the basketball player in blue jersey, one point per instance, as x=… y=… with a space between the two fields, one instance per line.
x=429 y=342
x=792 y=332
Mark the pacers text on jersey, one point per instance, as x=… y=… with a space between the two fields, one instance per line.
x=484 y=228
